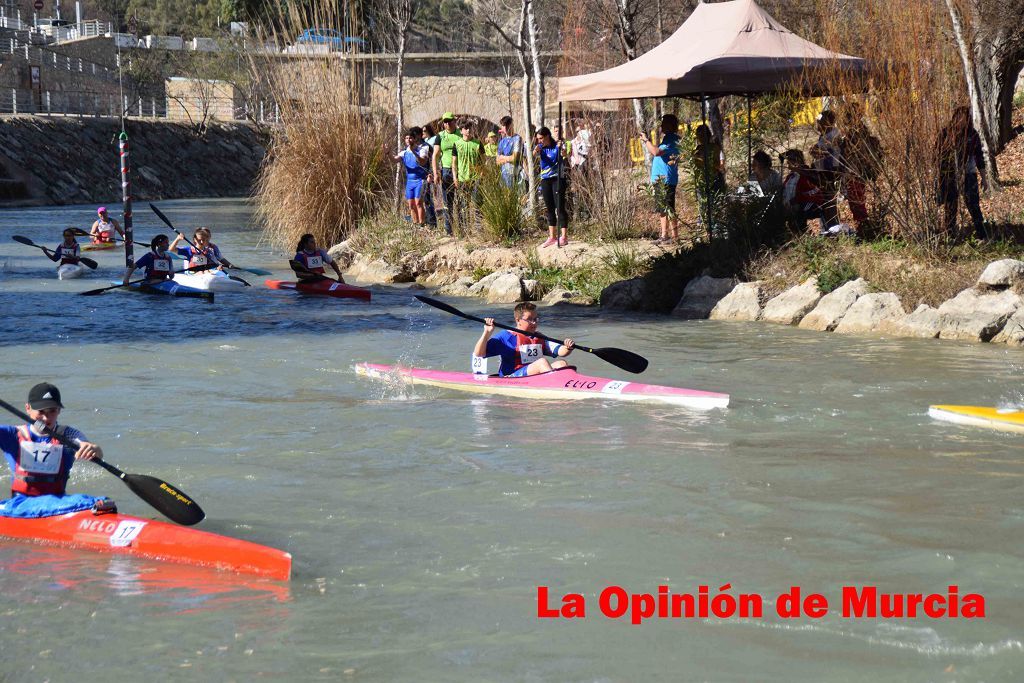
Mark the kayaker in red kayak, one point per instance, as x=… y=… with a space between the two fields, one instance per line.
x=312 y=258
x=104 y=227
x=39 y=463
x=156 y=262
x=521 y=354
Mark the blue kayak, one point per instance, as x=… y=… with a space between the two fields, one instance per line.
x=168 y=288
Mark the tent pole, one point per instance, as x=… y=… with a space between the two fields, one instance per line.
x=750 y=122
x=706 y=209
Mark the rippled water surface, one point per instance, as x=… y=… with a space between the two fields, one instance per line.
x=422 y=521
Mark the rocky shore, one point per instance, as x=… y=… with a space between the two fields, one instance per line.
x=992 y=310
x=71 y=161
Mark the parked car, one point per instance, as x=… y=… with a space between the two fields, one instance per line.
x=330 y=37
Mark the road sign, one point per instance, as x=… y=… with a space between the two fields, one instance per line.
x=38 y=4
x=133 y=25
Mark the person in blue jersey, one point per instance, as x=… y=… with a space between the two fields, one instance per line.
x=522 y=354
x=665 y=176
x=553 y=185
x=204 y=253
x=155 y=263
x=39 y=464
x=414 y=158
x=67 y=251
x=313 y=258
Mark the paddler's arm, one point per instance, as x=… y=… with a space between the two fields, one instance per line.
x=566 y=348
x=172 y=247
x=128 y=274
x=480 y=349
x=117 y=226
x=88 y=451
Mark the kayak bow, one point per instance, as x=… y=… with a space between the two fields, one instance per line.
x=1005 y=419
x=326 y=287
x=124 y=534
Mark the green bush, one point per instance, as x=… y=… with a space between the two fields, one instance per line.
x=501 y=207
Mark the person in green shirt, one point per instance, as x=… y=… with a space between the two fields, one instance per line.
x=469 y=154
x=491 y=146
x=443 y=165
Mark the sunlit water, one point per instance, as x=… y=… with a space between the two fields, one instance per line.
x=422 y=521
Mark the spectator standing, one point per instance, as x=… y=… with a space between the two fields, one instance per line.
x=443 y=165
x=828 y=163
x=960 y=160
x=553 y=185
x=665 y=176
x=414 y=159
x=510 y=150
x=491 y=146
x=861 y=157
x=469 y=155
x=708 y=169
x=430 y=140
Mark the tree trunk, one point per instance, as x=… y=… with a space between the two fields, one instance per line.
x=538 y=73
x=967 y=53
x=403 y=29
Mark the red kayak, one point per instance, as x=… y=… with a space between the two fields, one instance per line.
x=116 y=533
x=325 y=287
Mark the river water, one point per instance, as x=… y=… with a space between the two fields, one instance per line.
x=422 y=523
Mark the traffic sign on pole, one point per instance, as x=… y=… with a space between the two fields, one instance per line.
x=38 y=4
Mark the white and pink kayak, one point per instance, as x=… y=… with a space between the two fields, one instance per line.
x=561 y=384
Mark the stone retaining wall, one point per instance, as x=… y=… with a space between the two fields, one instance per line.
x=72 y=161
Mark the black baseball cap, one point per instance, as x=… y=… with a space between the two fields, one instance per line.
x=43 y=396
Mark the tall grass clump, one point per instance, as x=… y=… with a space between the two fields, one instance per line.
x=326 y=167
x=501 y=207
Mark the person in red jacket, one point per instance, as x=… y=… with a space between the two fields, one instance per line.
x=801 y=194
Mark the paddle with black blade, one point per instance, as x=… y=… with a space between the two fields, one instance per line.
x=94 y=292
x=24 y=240
x=626 y=360
x=167 y=222
x=83 y=233
x=169 y=500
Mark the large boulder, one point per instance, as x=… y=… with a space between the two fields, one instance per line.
x=625 y=295
x=1013 y=331
x=792 y=305
x=924 y=323
x=377 y=270
x=701 y=295
x=458 y=288
x=1001 y=274
x=833 y=306
x=343 y=254
x=867 y=313
x=505 y=287
x=742 y=303
x=559 y=295
x=977 y=316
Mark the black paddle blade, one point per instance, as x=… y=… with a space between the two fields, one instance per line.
x=24 y=240
x=88 y=262
x=444 y=307
x=172 y=503
x=620 y=358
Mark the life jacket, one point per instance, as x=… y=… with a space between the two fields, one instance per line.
x=65 y=256
x=201 y=257
x=39 y=465
x=313 y=262
x=106 y=233
x=528 y=349
x=161 y=268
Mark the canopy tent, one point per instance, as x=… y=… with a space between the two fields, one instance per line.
x=723 y=48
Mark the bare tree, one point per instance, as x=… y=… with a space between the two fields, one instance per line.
x=991 y=44
x=518 y=42
x=399 y=15
x=538 y=72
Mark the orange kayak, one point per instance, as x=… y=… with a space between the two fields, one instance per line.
x=116 y=533
x=327 y=287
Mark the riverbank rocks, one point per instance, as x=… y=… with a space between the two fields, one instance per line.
x=701 y=295
x=1002 y=274
x=343 y=254
x=558 y=296
x=377 y=271
x=626 y=295
x=742 y=303
x=977 y=316
x=499 y=288
x=458 y=288
x=833 y=306
x=924 y=323
x=1013 y=331
x=792 y=305
x=868 y=312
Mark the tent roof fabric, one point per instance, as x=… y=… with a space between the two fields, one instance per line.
x=723 y=48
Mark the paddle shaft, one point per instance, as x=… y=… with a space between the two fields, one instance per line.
x=627 y=360
x=46 y=250
x=169 y=500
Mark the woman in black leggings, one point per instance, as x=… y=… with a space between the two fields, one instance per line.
x=553 y=185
